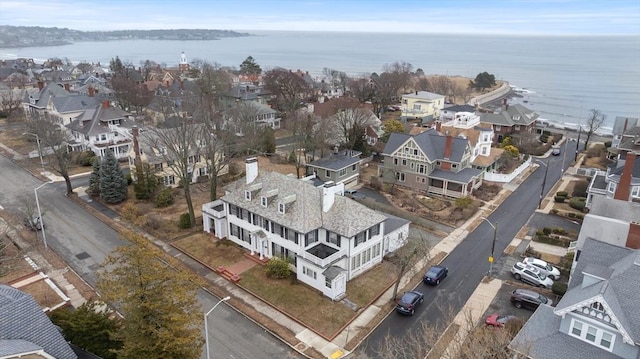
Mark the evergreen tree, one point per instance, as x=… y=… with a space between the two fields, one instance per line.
x=94 y=179
x=89 y=328
x=162 y=317
x=146 y=182
x=250 y=67
x=113 y=183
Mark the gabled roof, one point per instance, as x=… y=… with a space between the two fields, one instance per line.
x=94 y=121
x=460 y=108
x=511 y=116
x=345 y=217
x=22 y=318
x=614 y=282
x=49 y=91
x=338 y=161
x=75 y=103
x=540 y=338
x=431 y=143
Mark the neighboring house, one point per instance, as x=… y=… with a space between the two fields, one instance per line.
x=612 y=221
x=510 y=120
x=103 y=128
x=330 y=239
x=65 y=109
x=342 y=114
x=251 y=113
x=422 y=105
x=37 y=103
x=622 y=178
x=480 y=136
x=620 y=126
x=373 y=134
x=158 y=158
x=241 y=93
x=431 y=163
x=449 y=113
x=339 y=167
x=26 y=331
x=597 y=317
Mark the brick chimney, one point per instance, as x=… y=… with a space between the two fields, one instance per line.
x=447 y=146
x=40 y=85
x=66 y=87
x=251 y=169
x=624 y=187
x=438 y=126
x=633 y=237
x=91 y=91
x=105 y=104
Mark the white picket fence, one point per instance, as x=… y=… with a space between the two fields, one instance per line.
x=507 y=177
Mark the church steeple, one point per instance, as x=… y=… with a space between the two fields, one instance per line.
x=184 y=64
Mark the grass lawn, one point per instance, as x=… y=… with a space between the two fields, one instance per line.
x=298 y=300
x=213 y=253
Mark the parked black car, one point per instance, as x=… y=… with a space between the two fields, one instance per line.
x=407 y=304
x=522 y=298
x=435 y=274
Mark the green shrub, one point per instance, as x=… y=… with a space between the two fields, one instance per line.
x=547 y=231
x=571 y=215
x=578 y=203
x=185 y=221
x=579 y=216
x=129 y=179
x=278 y=268
x=164 y=197
x=463 y=202
x=607 y=144
x=559 y=288
x=562 y=193
x=86 y=158
x=560 y=231
x=559 y=199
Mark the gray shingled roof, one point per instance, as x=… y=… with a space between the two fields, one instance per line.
x=423 y=95
x=613 y=208
x=513 y=115
x=392 y=223
x=94 y=121
x=75 y=103
x=460 y=108
x=22 y=318
x=619 y=124
x=346 y=217
x=540 y=338
x=431 y=143
x=599 y=182
x=337 y=161
x=49 y=91
x=620 y=286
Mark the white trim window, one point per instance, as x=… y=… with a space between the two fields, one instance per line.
x=310 y=273
x=612 y=187
x=591 y=334
x=635 y=191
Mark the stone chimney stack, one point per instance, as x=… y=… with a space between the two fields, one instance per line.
x=251 y=169
x=624 y=187
x=91 y=91
x=105 y=104
x=66 y=87
x=438 y=126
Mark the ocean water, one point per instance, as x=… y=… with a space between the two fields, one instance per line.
x=564 y=76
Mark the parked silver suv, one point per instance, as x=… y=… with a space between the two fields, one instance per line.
x=531 y=275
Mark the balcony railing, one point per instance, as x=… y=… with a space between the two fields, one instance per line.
x=215 y=209
x=323 y=263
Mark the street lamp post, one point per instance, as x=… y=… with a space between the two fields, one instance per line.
x=493 y=244
x=206 y=327
x=44 y=234
x=39 y=149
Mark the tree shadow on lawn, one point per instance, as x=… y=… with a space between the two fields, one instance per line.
x=212 y=252
x=312 y=308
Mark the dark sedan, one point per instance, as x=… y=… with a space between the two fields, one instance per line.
x=435 y=275
x=409 y=301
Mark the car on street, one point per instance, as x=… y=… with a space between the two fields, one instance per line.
x=531 y=275
x=524 y=298
x=409 y=301
x=33 y=222
x=498 y=320
x=435 y=274
x=555 y=150
x=544 y=267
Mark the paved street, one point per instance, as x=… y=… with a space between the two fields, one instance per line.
x=84 y=242
x=468 y=262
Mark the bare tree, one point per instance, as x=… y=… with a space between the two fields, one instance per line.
x=303 y=127
x=351 y=120
x=178 y=142
x=54 y=142
x=288 y=88
x=11 y=98
x=361 y=88
x=407 y=256
x=594 y=121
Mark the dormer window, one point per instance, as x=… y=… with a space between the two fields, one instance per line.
x=247 y=195
x=281 y=208
x=263 y=201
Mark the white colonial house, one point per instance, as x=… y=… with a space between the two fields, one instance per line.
x=329 y=239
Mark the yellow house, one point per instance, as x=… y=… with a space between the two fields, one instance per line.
x=422 y=104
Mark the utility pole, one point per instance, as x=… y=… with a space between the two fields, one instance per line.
x=493 y=245
x=578 y=146
x=544 y=181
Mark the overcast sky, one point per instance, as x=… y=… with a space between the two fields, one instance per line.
x=559 y=17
